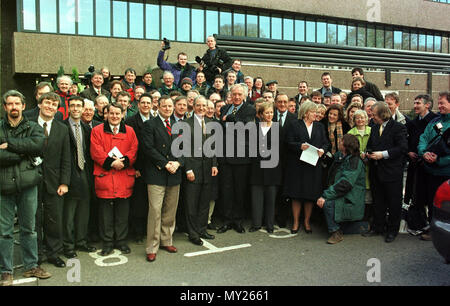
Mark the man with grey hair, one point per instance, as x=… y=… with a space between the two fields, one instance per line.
x=21 y=141
x=168 y=84
x=386 y=151
x=87 y=116
x=64 y=82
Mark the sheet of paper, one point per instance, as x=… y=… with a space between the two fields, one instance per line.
x=310 y=155
x=115 y=152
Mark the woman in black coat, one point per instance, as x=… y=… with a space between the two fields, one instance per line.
x=265 y=181
x=303 y=181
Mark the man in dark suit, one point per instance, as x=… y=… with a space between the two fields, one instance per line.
x=234 y=176
x=95 y=89
x=56 y=178
x=180 y=109
x=199 y=171
x=163 y=177
x=139 y=199
x=77 y=201
x=284 y=118
x=386 y=149
x=326 y=85
x=41 y=88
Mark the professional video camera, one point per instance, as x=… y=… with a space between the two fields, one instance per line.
x=166 y=44
x=215 y=68
x=440 y=145
x=88 y=76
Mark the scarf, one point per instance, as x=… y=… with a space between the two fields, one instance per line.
x=338 y=128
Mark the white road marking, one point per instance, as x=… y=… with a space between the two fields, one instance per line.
x=279 y=230
x=213 y=249
x=99 y=260
x=25 y=280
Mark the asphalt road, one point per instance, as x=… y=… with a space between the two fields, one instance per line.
x=264 y=260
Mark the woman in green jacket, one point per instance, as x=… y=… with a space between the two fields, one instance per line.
x=344 y=200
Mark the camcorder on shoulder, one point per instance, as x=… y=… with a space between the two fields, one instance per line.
x=88 y=76
x=215 y=68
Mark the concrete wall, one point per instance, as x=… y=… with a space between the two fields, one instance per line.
x=411 y=13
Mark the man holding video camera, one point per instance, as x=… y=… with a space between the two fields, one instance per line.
x=214 y=62
x=434 y=149
x=181 y=69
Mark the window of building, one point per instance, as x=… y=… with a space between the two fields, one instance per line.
x=414 y=41
x=198 y=21
x=445 y=44
x=277 y=27
x=371 y=35
x=264 y=26
x=67 y=11
x=212 y=22
x=239 y=24
x=136 y=20
x=29 y=15
x=183 y=21
x=120 y=19
x=422 y=42
x=332 y=34
x=437 y=43
x=398 y=40
x=152 y=21
x=321 y=31
x=310 y=31
x=405 y=40
x=288 y=29
x=47 y=9
x=342 y=34
x=379 y=38
x=361 y=42
x=86 y=17
x=389 y=38
x=351 y=36
x=225 y=23
x=103 y=17
x=299 y=30
x=252 y=25
x=430 y=42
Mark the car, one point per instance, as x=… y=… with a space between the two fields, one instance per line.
x=440 y=222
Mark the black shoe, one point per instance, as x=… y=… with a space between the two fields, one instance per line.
x=125 y=249
x=308 y=231
x=294 y=231
x=106 y=251
x=238 y=228
x=390 y=237
x=371 y=233
x=87 y=248
x=207 y=235
x=224 y=228
x=212 y=227
x=70 y=254
x=57 y=262
x=254 y=229
x=196 y=240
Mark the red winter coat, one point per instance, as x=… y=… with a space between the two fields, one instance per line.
x=109 y=182
x=64 y=106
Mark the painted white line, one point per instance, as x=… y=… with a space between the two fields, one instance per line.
x=25 y=280
x=217 y=250
x=280 y=230
x=99 y=260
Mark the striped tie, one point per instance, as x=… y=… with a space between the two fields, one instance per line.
x=80 y=157
x=169 y=129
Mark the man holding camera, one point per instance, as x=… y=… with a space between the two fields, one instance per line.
x=434 y=149
x=181 y=69
x=95 y=89
x=215 y=60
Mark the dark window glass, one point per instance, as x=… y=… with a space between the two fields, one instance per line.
x=239 y=24
x=371 y=37
x=47 y=10
x=86 y=17
x=198 y=27
x=414 y=41
x=212 y=22
x=67 y=16
x=276 y=27
x=405 y=41
x=310 y=31
x=264 y=26
x=29 y=15
x=103 y=17
x=225 y=23
x=288 y=29
x=321 y=31
x=397 y=40
x=361 y=35
x=351 y=35
x=422 y=42
x=389 y=36
x=299 y=30
x=120 y=19
x=252 y=26
x=342 y=34
x=332 y=34
x=183 y=24
x=168 y=22
x=152 y=21
x=380 y=38
x=136 y=20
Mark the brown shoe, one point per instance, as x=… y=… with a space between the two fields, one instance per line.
x=7 y=279
x=37 y=272
x=170 y=249
x=336 y=237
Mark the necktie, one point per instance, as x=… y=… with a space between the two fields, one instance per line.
x=280 y=119
x=234 y=111
x=45 y=132
x=80 y=157
x=115 y=130
x=168 y=128
x=188 y=115
x=381 y=129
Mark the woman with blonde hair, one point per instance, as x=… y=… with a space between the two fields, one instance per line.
x=351 y=109
x=303 y=181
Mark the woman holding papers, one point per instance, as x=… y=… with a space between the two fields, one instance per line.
x=265 y=181
x=303 y=177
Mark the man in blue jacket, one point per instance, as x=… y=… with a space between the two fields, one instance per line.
x=180 y=70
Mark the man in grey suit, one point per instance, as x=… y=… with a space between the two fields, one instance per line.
x=199 y=172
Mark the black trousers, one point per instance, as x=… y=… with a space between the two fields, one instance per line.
x=263 y=204
x=49 y=220
x=139 y=209
x=196 y=209
x=113 y=221
x=235 y=191
x=387 y=197
x=76 y=217
x=426 y=187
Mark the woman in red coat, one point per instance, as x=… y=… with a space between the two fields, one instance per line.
x=114 y=148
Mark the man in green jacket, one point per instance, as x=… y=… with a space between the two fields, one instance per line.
x=21 y=142
x=344 y=199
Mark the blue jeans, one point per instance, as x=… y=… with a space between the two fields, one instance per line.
x=328 y=209
x=26 y=202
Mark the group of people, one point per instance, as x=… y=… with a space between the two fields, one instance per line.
x=102 y=162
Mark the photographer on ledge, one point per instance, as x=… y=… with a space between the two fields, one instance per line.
x=179 y=70
x=214 y=62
